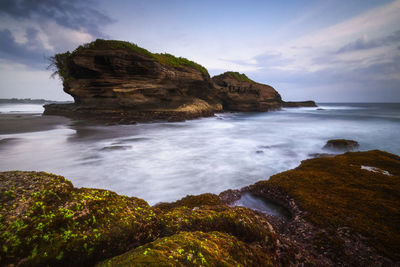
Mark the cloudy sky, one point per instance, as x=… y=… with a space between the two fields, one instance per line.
x=329 y=51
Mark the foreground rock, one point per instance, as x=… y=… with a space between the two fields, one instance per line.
x=44 y=220
x=341 y=145
x=120 y=82
x=344 y=209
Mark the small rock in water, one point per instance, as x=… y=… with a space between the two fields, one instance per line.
x=259 y=152
x=115 y=148
x=341 y=145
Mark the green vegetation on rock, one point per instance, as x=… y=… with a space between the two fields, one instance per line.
x=239 y=76
x=62 y=62
x=193 y=249
x=357 y=190
x=45 y=221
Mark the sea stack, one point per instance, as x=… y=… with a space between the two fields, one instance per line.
x=121 y=82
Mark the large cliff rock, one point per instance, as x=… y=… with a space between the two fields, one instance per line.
x=239 y=93
x=114 y=77
x=119 y=81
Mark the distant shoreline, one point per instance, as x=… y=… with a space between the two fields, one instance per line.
x=29 y=101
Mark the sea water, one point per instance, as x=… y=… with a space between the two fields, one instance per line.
x=164 y=161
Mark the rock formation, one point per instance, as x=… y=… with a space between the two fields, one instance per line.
x=294 y=104
x=341 y=145
x=239 y=93
x=119 y=81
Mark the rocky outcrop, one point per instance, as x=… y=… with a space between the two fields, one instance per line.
x=45 y=221
x=239 y=93
x=120 y=79
x=298 y=104
x=120 y=82
x=340 y=215
x=341 y=145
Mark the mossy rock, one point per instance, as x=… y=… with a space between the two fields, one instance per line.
x=357 y=190
x=191 y=202
x=243 y=223
x=44 y=220
x=193 y=249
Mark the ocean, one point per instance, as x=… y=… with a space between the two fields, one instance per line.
x=163 y=161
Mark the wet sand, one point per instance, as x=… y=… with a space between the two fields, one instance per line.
x=22 y=123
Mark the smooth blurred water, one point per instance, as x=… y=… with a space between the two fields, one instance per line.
x=21 y=108
x=166 y=161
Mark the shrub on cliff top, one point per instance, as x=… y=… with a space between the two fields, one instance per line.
x=239 y=76
x=61 y=62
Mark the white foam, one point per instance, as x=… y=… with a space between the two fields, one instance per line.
x=375 y=169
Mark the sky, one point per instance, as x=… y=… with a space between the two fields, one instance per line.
x=327 y=51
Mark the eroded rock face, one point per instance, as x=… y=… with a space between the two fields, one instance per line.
x=123 y=78
x=238 y=93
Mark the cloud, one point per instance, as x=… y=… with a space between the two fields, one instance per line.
x=363 y=43
x=30 y=53
x=73 y=14
x=30 y=31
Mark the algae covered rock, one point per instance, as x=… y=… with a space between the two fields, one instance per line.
x=191 y=202
x=193 y=249
x=44 y=220
x=351 y=200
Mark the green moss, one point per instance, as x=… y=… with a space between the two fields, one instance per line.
x=337 y=192
x=57 y=224
x=62 y=63
x=192 y=202
x=238 y=76
x=193 y=249
x=240 y=222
